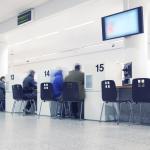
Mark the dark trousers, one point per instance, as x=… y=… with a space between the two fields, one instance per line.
x=2 y=107
x=31 y=96
x=76 y=108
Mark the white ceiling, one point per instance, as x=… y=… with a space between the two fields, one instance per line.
x=10 y=8
x=65 y=31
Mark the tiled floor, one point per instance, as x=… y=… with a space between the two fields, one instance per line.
x=29 y=133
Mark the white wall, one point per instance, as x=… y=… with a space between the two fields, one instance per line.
x=3 y=57
x=78 y=40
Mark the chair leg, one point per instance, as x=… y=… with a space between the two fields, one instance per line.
x=24 y=107
x=131 y=112
x=140 y=113
x=62 y=107
x=115 y=116
x=34 y=106
x=56 y=108
x=70 y=113
x=119 y=107
x=20 y=106
x=50 y=108
x=13 y=108
x=65 y=109
x=40 y=108
x=1 y=105
x=81 y=110
x=101 y=112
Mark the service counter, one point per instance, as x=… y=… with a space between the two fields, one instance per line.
x=125 y=93
x=93 y=104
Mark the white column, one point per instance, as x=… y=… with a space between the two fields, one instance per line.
x=3 y=57
x=137 y=46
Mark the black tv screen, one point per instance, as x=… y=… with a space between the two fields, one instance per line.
x=123 y=24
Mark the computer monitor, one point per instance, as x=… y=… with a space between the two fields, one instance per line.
x=127 y=72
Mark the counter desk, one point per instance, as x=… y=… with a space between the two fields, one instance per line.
x=125 y=93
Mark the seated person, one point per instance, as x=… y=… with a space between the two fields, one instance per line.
x=2 y=93
x=29 y=90
x=57 y=87
x=77 y=76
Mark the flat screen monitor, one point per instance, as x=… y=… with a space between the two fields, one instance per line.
x=123 y=24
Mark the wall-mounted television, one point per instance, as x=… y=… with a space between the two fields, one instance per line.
x=123 y=24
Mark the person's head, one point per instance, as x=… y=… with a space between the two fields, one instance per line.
x=31 y=73
x=2 y=78
x=58 y=72
x=77 y=67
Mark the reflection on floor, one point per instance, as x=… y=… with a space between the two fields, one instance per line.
x=29 y=133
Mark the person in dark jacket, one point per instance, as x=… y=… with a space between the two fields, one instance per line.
x=57 y=87
x=2 y=93
x=29 y=89
x=77 y=76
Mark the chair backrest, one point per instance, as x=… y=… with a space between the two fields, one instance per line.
x=70 y=91
x=141 y=90
x=17 y=92
x=46 y=91
x=109 y=92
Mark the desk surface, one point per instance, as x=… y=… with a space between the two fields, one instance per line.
x=124 y=87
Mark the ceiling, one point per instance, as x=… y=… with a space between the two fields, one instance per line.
x=10 y=8
x=59 y=34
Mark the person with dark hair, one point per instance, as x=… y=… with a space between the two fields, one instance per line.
x=29 y=90
x=77 y=76
x=2 y=93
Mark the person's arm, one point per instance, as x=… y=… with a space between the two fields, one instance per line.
x=82 y=78
x=33 y=83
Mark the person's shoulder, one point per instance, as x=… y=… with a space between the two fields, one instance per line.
x=81 y=73
x=72 y=71
x=29 y=78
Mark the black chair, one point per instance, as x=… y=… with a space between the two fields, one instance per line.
x=47 y=94
x=17 y=92
x=141 y=92
x=109 y=95
x=71 y=94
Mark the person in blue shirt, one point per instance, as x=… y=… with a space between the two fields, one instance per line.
x=57 y=88
x=58 y=83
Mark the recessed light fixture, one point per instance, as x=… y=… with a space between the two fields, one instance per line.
x=34 y=38
x=46 y=35
x=80 y=25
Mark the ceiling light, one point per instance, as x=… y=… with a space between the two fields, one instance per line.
x=80 y=25
x=43 y=56
x=46 y=35
x=22 y=42
x=38 y=37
